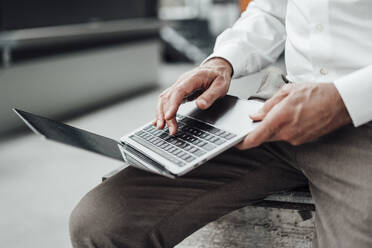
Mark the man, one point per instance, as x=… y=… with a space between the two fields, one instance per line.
x=313 y=130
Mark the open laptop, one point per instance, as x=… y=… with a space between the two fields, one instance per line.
x=201 y=135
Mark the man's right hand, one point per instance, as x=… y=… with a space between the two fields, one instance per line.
x=213 y=77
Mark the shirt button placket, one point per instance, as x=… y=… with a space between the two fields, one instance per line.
x=323 y=71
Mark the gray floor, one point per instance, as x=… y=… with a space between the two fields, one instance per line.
x=41 y=181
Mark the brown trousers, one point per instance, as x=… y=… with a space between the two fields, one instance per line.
x=138 y=209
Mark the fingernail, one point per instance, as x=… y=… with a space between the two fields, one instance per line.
x=257 y=114
x=171 y=129
x=202 y=102
x=158 y=123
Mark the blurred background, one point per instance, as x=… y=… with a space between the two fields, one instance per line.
x=97 y=65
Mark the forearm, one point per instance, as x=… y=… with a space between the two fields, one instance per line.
x=256 y=39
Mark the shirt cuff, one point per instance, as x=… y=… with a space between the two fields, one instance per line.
x=233 y=54
x=355 y=90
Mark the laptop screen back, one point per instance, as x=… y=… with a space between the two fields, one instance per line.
x=66 y=134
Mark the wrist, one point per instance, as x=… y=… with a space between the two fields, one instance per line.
x=221 y=63
x=342 y=110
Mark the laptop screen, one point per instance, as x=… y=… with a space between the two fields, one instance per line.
x=66 y=134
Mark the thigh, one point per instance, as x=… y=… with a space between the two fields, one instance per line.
x=138 y=209
x=339 y=169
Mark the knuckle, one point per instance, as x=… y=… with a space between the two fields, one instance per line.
x=251 y=141
x=212 y=95
x=219 y=84
x=179 y=87
x=285 y=137
x=255 y=143
x=285 y=88
x=164 y=94
x=295 y=142
x=240 y=147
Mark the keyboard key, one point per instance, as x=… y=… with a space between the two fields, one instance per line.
x=199 y=153
x=193 y=149
x=224 y=135
x=170 y=139
x=158 y=133
x=188 y=147
x=180 y=117
x=230 y=136
x=204 y=135
x=163 y=136
x=148 y=128
x=190 y=159
x=203 y=143
x=214 y=130
x=196 y=141
x=181 y=154
x=168 y=147
x=139 y=133
x=220 y=133
x=185 y=156
x=219 y=142
x=209 y=147
x=179 y=143
x=176 y=151
x=184 y=145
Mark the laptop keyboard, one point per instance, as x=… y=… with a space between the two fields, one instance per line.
x=192 y=140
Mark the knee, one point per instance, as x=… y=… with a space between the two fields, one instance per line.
x=100 y=221
x=84 y=227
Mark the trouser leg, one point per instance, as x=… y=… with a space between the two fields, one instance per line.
x=139 y=209
x=339 y=169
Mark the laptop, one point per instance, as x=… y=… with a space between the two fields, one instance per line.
x=201 y=135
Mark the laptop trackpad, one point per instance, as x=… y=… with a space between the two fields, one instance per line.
x=228 y=113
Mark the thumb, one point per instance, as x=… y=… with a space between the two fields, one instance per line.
x=269 y=104
x=217 y=89
x=258 y=116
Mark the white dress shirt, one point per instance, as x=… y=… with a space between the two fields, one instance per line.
x=324 y=41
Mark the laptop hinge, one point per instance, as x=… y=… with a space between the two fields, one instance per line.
x=137 y=159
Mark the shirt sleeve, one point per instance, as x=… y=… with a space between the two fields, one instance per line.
x=356 y=92
x=256 y=39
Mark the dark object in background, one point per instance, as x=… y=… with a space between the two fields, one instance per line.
x=40 y=28
x=187 y=41
x=23 y=14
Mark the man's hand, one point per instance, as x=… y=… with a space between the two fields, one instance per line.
x=298 y=113
x=214 y=77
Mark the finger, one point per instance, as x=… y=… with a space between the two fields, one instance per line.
x=218 y=88
x=154 y=122
x=265 y=130
x=269 y=104
x=181 y=90
x=174 y=102
x=160 y=115
x=172 y=126
x=262 y=133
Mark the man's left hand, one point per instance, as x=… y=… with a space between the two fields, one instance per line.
x=298 y=113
